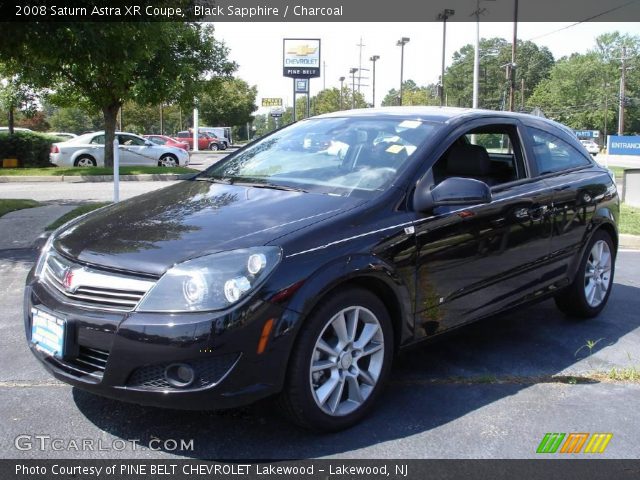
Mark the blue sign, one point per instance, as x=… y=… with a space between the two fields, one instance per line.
x=623 y=145
x=587 y=133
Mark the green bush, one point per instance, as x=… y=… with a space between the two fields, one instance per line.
x=30 y=148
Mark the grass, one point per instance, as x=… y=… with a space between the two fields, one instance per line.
x=76 y=212
x=629 y=219
x=73 y=171
x=618 y=171
x=11 y=205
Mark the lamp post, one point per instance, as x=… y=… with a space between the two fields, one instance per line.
x=401 y=43
x=444 y=15
x=374 y=59
x=476 y=58
x=341 y=89
x=353 y=71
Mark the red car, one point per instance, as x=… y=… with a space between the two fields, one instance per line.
x=168 y=141
x=205 y=140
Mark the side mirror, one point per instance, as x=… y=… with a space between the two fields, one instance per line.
x=454 y=191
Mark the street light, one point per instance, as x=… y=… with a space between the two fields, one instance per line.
x=341 y=88
x=476 y=57
x=374 y=58
x=444 y=15
x=353 y=71
x=401 y=43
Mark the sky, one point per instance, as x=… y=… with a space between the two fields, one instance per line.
x=257 y=48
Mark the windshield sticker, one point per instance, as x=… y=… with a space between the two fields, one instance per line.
x=410 y=124
x=395 y=149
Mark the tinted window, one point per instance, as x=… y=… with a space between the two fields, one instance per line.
x=130 y=140
x=98 y=139
x=554 y=155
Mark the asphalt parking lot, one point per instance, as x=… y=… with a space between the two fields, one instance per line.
x=492 y=390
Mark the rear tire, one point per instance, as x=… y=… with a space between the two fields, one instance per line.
x=213 y=147
x=591 y=287
x=85 y=161
x=169 y=161
x=340 y=362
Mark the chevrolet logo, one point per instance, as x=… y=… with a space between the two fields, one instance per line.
x=302 y=50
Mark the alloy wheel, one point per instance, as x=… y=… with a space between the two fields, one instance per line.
x=597 y=275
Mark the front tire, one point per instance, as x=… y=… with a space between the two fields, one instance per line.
x=590 y=290
x=340 y=362
x=213 y=147
x=85 y=161
x=168 y=161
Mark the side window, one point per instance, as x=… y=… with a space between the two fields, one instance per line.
x=491 y=154
x=554 y=155
x=98 y=140
x=130 y=140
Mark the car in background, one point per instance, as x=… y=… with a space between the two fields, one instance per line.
x=205 y=141
x=88 y=151
x=592 y=147
x=289 y=270
x=15 y=129
x=222 y=133
x=168 y=141
x=63 y=136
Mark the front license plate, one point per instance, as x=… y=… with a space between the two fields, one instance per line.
x=47 y=332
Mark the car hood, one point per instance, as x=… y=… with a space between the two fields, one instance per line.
x=154 y=231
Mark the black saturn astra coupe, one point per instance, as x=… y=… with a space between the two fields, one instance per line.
x=302 y=263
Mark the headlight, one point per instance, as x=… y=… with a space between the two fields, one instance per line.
x=212 y=282
x=42 y=259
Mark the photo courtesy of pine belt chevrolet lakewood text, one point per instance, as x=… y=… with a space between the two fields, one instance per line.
x=298 y=266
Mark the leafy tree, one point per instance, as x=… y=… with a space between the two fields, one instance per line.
x=103 y=65
x=227 y=102
x=16 y=96
x=412 y=94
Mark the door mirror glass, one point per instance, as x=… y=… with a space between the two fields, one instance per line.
x=454 y=191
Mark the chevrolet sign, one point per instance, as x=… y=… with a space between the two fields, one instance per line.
x=301 y=57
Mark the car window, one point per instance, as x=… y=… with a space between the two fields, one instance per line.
x=130 y=140
x=491 y=154
x=554 y=155
x=341 y=156
x=157 y=140
x=97 y=140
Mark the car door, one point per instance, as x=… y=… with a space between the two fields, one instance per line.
x=96 y=149
x=475 y=260
x=134 y=151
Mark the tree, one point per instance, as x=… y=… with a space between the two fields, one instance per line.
x=412 y=94
x=106 y=64
x=582 y=89
x=16 y=95
x=227 y=102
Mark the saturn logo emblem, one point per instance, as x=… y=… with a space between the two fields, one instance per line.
x=67 y=280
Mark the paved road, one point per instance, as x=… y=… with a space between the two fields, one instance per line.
x=482 y=393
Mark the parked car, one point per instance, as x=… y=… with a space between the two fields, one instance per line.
x=291 y=271
x=205 y=141
x=168 y=141
x=88 y=151
x=592 y=147
x=222 y=133
x=15 y=129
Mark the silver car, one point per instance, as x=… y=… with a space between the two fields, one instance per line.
x=88 y=151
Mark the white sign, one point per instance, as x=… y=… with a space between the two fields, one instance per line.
x=301 y=57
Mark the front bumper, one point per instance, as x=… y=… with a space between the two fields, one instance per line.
x=124 y=355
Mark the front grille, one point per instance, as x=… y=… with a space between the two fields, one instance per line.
x=92 y=288
x=90 y=362
x=209 y=371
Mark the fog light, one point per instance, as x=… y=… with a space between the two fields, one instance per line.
x=179 y=375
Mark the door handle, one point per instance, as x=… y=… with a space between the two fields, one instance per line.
x=563 y=187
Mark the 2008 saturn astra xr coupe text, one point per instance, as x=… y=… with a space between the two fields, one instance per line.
x=302 y=263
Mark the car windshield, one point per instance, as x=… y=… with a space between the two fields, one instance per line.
x=340 y=156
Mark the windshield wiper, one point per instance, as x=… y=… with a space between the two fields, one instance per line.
x=213 y=180
x=272 y=186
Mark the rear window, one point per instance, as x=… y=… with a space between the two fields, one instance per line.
x=553 y=154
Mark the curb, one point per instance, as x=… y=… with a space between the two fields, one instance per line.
x=150 y=177
x=629 y=241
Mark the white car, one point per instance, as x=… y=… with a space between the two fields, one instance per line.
x=88 y=151
x=591 y=146
x=63 y=136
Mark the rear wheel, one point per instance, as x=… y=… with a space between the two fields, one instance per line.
x=213 y=147
x=85 y=161
x=590 y=290
x=340 y=363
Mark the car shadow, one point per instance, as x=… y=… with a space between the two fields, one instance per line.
x=430 y=386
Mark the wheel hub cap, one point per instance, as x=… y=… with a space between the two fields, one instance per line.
x=597 y=277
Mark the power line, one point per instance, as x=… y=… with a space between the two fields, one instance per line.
x=585 y=20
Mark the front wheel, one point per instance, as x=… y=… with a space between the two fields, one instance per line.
x=590 y=290
x=85 y=161
x=340 y=363
x=168 y=161
x=213 y=147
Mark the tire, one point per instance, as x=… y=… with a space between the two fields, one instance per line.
x=224 y=146
x=590 y=290
x=213 y=147
x=343 y=392
x=169 y=161
x=85 y=161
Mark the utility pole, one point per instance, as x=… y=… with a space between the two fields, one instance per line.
x=444 y=15
x=324 y=75
x=374 y=59
x=353 y=71
x=622 y=92
x=341 y=90
x=360 y=45
x=161 y=120
x=522 y=94
x=401 y=43
x=512 y=67
x=476 y=54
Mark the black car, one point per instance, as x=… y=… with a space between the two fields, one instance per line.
x=295 y=271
